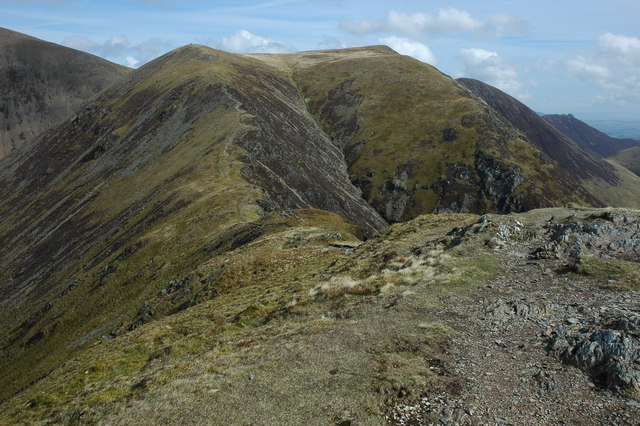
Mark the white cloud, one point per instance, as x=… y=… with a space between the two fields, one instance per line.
x=445 y=21
x=614 y=65
x=245 y=42
x=131 y=62
x=119 y=49
x=625 y=49
x=489 y=67
x=404 y=46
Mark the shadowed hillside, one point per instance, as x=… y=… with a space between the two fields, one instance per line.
x=588 y=137
x=42 y=84
x=612 y=186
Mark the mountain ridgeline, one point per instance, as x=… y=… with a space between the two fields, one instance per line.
x=588 y=137
x=132 y=207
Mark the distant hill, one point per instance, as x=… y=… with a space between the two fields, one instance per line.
x=587 y=136
x=629 y=158
x=42 y=84
x=613 y=186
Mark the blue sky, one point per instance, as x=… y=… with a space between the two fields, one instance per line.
x=560 y=56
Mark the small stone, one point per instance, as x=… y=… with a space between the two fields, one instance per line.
x=213 y=390
x=573 y=320
x=632 y=403
x=251 y=377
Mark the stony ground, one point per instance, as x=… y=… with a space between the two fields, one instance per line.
x=506 y=346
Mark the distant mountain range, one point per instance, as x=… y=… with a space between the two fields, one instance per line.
x=208 y=178
x=624 y=129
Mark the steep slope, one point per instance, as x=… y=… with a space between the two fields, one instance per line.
x=192 y=155
x=601 y=179
x=415 y=142
x=629 y=158
x=588 y=137
x=42 y=84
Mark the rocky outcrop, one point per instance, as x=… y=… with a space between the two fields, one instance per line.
x=500 y=183
x=613 y=234
x=608 y=351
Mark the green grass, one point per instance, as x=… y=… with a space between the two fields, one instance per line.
x=614 y=274
x=406 y=112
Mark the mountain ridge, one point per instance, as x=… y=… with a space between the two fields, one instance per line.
x=587 y=136
x=610 y=184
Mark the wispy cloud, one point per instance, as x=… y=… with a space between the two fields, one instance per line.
x=119 y=49
x=41 y=2
x=445 y=21
x=330 y=42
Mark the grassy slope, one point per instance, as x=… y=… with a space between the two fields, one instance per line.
x=148 y=182
x=415 y=124
x=629 y=158
x=300 y=331
x=625 y=194
x=198 y=184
